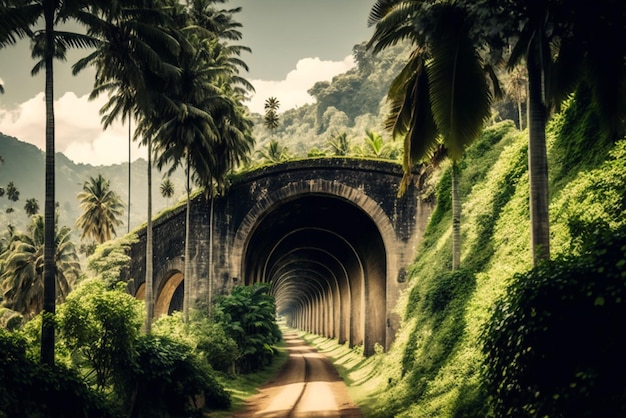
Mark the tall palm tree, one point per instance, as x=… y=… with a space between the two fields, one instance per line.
x=206 y=132
x=102 y=209
x=196 y=135
x=562 y=43
x=48 y=43
x=134 y=42
x=22 y=279
x=126 y=32
x=442 y=94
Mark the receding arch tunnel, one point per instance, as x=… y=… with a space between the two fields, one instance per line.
x=325 y=260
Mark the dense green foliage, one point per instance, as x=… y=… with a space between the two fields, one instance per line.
x=249 y=317
x=32 y=390
x=171 y=381
x=554 y=345
x=99 y=327
x=208 y=338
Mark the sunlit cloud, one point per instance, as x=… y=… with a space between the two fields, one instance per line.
x=78 y=131
x=292 y=91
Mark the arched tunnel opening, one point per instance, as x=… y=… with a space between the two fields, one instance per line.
x=326 y=264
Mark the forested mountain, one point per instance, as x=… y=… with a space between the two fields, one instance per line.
x=24 y=166
x=351 y=103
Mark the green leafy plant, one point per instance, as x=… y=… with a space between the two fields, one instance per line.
x=248 y=316
x=30 y=389
x=554 y=345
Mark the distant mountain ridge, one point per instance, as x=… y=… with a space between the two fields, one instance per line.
x=24 y=165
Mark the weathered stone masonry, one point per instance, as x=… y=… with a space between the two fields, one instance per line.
x=329 y=235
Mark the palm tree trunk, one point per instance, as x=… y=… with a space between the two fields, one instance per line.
x=456 y=218
x=49 y=295
x=519 y=116
x=149 y=266
x=537 y=159
x=211 y=251
x=129 y=149
x=187 y=276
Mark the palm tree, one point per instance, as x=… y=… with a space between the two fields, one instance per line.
x=101 y=207
x=442 y=94
x=198 y=136
x=22 y=279
x=273 y=152
x=271 y=119
x=167 y=189
x=515 y=88
x=375 y=146
x=133 y=36
x=127 y=33
x=562 y=44
x=340 y=144
x=31 y=206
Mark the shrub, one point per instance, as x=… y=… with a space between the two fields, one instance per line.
x=555 y=343
x=32 y=390
x=170 y=380
x=248 y=315
x=99 y=328
x=209 y=339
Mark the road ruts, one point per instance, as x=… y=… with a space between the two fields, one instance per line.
x=307 y=386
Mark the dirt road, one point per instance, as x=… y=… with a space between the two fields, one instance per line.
x=307 y=386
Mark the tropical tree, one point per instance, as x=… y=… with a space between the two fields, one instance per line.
x=442 y=95
x=340 y=144
x=31 y=206
x=273 y=152
x=562 y=44
x=102 y=208
x=127 y=33
x=206 y=134
x=271 y=119
x=23 y=277
x=47 y=44
x=167 y=189
x=375 y=146
x=132 y=37
x=515 y=87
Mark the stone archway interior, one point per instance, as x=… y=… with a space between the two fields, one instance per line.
x=325 y=261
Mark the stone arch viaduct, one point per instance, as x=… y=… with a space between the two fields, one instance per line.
x=330 y=236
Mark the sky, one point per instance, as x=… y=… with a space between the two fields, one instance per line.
x=295 y=43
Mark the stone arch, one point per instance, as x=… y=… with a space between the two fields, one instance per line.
x=314 y=186
x=368 y=286
x=169 y=283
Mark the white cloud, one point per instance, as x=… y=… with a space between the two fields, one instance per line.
x=79 y=134
x=78 y=131
x=292 y=91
